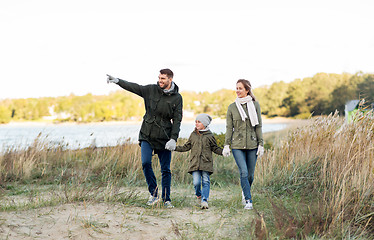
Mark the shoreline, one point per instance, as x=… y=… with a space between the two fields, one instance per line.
x=189 y=120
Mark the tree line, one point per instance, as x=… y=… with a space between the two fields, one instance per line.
x=318 y=95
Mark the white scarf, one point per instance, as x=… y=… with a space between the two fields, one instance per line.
x=168 y=91
x=251 y=109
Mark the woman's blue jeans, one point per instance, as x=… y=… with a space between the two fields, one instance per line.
x=164 y=157
x=246 y=161
x=201 y=178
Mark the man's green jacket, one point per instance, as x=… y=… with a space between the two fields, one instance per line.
x=163 y=113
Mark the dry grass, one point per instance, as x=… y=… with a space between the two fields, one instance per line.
x=325 y=164
x=332 y=162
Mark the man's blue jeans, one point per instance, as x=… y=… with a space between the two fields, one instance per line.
x=201 y=178
x=165 y=159
x=246 y=161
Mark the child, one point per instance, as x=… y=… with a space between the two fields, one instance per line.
x=201 y=143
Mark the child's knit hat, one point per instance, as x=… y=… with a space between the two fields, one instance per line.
x=204 y=118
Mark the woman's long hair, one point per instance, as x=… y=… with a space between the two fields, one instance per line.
x=247 y=85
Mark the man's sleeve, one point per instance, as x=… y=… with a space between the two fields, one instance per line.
x=132 y=87
x=177 y=118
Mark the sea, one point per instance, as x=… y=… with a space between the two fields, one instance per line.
x=75 y=136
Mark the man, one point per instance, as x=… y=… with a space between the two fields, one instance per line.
x=159 y=130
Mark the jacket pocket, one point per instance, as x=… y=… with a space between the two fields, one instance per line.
x=158 y=129
x=237 y=136
x=166 y=128
x=253 y=136
x=161 y=130
x=205 y=159
x=153 y=102
x=146 y=126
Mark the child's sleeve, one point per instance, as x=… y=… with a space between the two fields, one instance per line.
x=214 y=147
x=186 y=147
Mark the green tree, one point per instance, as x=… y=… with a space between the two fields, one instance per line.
x=294 y=101
x=344 y=92
x=220 y=101
x=365 y=89
x=321 y=94
x=320 y=88
x=5 y=114
x=272 y=100
x=103 y=110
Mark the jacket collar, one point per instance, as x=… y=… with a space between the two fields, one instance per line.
x=204 y=132
x=173 y=90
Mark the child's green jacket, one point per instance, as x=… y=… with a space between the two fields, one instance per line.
x=201 y=144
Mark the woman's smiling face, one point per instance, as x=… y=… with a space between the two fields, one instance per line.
x=241 y=91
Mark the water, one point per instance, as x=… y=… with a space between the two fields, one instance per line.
x=74 y=136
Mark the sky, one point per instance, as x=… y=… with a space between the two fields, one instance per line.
x=51 y=48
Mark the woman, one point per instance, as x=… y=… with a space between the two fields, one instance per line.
x=244 y=134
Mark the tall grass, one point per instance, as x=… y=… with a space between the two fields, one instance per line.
x=330 y=163
x=327 y=165
x=58 y=164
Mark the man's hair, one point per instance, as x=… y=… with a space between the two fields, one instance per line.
x=168 y=72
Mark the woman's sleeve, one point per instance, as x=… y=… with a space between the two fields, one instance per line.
x=229 y=127
x=258 y=128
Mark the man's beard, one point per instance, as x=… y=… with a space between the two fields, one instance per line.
x=164 y=87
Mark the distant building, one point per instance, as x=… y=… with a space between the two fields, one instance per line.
x=353 y=106
x=53 y=115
